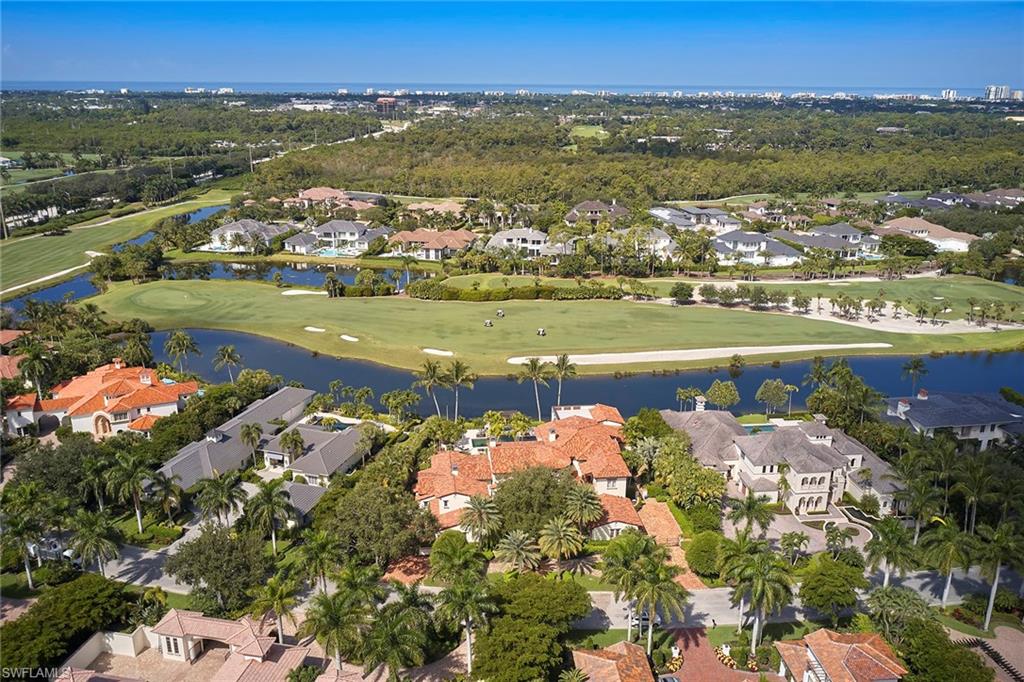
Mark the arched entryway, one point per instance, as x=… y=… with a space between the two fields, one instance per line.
x=101 y=425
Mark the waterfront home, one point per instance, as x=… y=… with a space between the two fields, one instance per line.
x=584 y=439
x=738 y=246
x=943 y=238
x=646 y=240
x=339 y=233
x=9 y=363
x=324 y=452
x=817 y=240
x=673 y=217
x=432 y=245
x=819 y=463
x=619 y=515
x=109 y=399
x=242 y=235
x=825 y=655
x=302 y=243
x=593 y=212
x=529 y=242
x=619 y=662
x=979 y=417
x=222 y=448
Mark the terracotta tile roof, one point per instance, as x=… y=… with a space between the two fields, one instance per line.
x=435 y=239
x=453 y=472
x=143 y=423
x=620 y=662
x=619 y=509
x=446 y=520
x=21 y=402
x=54 y=404
x=509 y=457
x=85 y=675
x=860 y=657
x=439 y=207
x=9 y=366
x=245 y=634
x=10 y=335
x=910 y=225
x=321 y=194
x=659 y=522
x=606 y=413
x=275 y=665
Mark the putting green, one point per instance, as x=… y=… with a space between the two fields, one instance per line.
x=395 y=330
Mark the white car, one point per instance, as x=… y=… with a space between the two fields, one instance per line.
x=644 y=619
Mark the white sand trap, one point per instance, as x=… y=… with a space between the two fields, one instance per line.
x=318 y=330
x=694 y=353
x=839 y=284
x=303 y=292
x=346 y=337
x=93 y=254
x=939 y=298
x=436 y=351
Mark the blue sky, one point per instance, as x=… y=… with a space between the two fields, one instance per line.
x=914 y=44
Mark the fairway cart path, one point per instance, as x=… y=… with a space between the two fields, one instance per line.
x=694 y=353
x=47 y=278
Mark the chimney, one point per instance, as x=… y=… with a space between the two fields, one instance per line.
x=118 y=363
x=902 y=407
x=699 y=403
x=922 y=394
x=145 y=378
x=552 y=435
x=455 y=469
x=492 y=441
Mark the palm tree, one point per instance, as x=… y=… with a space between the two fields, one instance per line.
x=997 y=546
x=293 y=444
x=914 y=369
x=947 y=547
x=818 y=374
x=166 y=489
x=976 y=481
x=407 y=262
x=393 y=641
x=269 y=506
x=793 y=543
x=686 y=395
x=136 y=350
x=465 y=603
x=35 y=363
x=227 y=356
x=921 y=501
x=573 y=675
x=583 y=506
x=889 y=546
x=646 y=450
x=221 y=495
x=480 y=518
x=766 y=578
x=337 y=624
x=277 y=596
x=360 y=584
x=560 y=539
x=790 y=390
x=416 y=604
x=656 y=589
x=837 y=538
x=94 y=477
x=451 y=561
x=459 y=375
x=430 y=378
x=620 y=564
x=251 y=435
x=943 y=457
x=562 y=369
x=179 y=345
x=126 y=478
x=21 y=530
x=753 y=509
x=733 y=557
x=519 y=551
x=319 y=554
x=538 y=372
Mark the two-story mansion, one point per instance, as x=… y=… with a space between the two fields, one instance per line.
x=584 y=439
x=982 y=418
x=819 y=464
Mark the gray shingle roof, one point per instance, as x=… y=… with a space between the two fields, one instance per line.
x=711 y=434
x=941 y=410
x=837 y=230
x=223 y=449
x=672 y=216
x=793 y=445
x=301 y=239
x=250 y=227
x=777 y=248
x=742 y=237
x=325 y=451
x=815 y=241
x=333 y=226
x=304 y=497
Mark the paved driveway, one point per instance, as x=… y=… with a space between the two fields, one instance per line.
x=787 y=523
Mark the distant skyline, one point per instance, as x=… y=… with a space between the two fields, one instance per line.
x=763 y=44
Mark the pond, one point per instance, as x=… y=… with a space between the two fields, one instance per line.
x=297 y=274
x=970 y=372
x=193 y=217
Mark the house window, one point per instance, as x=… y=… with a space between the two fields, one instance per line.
x=444 y=503
x=609 y=484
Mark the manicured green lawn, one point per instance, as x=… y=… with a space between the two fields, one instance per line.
x=589 y=131
x=127 y=525
x=600 y=638
x=19 y=175
x=395 y=330
x=27 y=259
x=14 y=585
x=174 y=600
x=592 y=582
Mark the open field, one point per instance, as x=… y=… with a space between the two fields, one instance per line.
x=952 y=291
x=19 y=175
x=30 y=258
x=589 y=131
x=395 y=330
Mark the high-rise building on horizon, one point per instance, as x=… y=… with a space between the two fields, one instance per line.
x=949 y=94
x=1017 y=95
x=993 y=92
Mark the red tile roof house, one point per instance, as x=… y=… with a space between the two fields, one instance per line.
x=827 y=656
x=9 y=363
x=433 y=245
x=109 y=399
x=254 y=655
x=589 y=447
x=620 y=662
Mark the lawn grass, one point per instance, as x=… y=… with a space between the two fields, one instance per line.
x=998 y=620
x=20 y=175
x=395 y=330
x=128 y=527
x=27 y=259
x=591 y=582
x=175 y=600
x=599 y=638
x=14 y=585
x=589 y=131
x=752 y=419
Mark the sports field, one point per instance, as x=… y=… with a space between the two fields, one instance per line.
x=395 y=330
x=27 y=259
x=952 y=291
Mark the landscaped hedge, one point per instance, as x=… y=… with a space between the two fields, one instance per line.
x=435 y=290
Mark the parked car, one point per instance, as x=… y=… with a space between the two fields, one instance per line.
x=644 y=619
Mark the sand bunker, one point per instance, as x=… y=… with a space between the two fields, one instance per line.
x=303 y=292
x=436 y=351
x=315 y=329
x=694 y=353
x=346 y=337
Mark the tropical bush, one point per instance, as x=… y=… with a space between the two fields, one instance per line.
x=702 y=554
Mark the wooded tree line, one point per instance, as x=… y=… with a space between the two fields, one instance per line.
x=522 y=159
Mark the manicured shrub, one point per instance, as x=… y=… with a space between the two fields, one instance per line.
x=704 y=518
x=869 y=504
x=682 y=292
x=932 y=657
x=702 y=554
